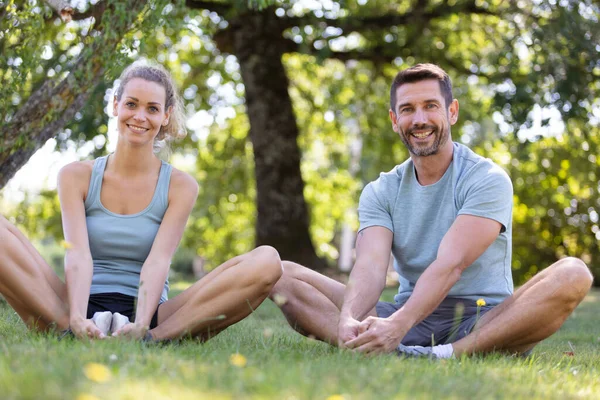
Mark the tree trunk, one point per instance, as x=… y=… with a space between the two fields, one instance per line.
x=283 y=219
x=52 y=106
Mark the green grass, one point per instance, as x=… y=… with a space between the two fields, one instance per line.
x=285 y=365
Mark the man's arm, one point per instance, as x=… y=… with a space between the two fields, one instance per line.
x=367 y=279
x=468 y=237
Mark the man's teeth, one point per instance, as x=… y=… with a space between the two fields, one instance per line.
x=421 y=135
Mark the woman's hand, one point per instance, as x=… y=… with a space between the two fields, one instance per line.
x=85 y=328
x=132 y=331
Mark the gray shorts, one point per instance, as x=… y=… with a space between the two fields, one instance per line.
x=452 y=320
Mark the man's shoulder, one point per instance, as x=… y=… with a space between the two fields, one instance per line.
x=472 y=166
x=388 y=182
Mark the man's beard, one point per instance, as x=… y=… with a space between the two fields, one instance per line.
x=440 y=138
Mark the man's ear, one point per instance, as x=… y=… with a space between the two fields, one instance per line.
x=394 y=120
x=453 y=112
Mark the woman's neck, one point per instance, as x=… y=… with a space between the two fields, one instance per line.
x=131 y=161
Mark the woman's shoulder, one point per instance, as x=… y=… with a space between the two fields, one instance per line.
x=76 y=171
x=182 y=184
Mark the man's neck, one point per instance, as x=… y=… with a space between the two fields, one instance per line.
x=430 y=169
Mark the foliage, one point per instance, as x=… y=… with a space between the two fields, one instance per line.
x=505 y=59
x=556 y=198
x=280 y=363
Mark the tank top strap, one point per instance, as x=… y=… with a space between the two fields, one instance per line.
x=95 y=181
x=164 y=180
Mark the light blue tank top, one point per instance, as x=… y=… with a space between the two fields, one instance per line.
x=120 y=244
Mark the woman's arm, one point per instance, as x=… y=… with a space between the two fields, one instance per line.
x=73 y=181
x=183 y=191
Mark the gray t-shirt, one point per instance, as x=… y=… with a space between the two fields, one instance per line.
x=419 y=217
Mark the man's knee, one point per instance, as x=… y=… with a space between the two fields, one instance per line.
x=575 y=277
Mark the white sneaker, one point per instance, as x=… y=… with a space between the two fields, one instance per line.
x=118 y=321
x=103 y=321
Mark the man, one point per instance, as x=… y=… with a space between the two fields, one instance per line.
x=446 y=215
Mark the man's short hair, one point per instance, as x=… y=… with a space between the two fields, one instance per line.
x=421 y=72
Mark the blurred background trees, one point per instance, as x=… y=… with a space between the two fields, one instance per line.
x=288 y=109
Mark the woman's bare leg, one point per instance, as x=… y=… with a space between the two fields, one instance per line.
x=28 y=283
x=225 y=296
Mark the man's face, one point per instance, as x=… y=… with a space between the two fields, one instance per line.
x=421 y=117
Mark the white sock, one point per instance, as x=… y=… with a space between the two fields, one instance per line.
x=443 y=350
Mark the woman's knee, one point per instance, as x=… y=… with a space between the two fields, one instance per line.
x=269 y=263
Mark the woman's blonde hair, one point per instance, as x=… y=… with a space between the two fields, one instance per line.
x=175 y=128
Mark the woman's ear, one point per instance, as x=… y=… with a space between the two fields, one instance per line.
x=115 y=106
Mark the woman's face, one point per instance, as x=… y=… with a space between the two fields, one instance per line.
x=141 y=112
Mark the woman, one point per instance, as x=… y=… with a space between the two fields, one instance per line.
x=123 y=216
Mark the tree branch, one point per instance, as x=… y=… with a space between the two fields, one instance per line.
x=62 y=8
x=416 y=15
x=53 y=105
x=96 y=12
x=218 y=7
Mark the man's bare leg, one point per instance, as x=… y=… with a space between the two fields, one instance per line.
x=311 y=302
x=533 y=313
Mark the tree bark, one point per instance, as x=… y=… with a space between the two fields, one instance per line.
x=53 y=105
x=283 y=219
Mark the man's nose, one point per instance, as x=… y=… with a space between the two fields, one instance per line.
x=419 y=117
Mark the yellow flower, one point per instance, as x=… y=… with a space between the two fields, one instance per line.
x=336 y=397
x=97 y=372
x=480 y=303
x=66 y=245
x=237 y=360
x=85 y=396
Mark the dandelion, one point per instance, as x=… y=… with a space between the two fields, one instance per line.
x=97 y=372
x=481 y=302
x=336 y=397
x=85 y=396
x=279 y=299
x=66 y=245
x=238 y=360
x=267 y=333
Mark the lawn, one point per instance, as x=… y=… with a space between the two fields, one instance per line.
x=276 y=363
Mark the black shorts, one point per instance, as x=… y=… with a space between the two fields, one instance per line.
x=116 y=302
x=452 y=320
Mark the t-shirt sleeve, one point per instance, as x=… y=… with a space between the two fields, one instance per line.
x=373 y=206
x=488 y=193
